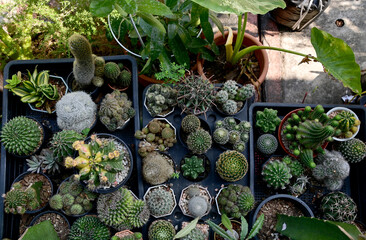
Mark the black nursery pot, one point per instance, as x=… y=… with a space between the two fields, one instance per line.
x=43 y=213
x=206 y=165
x=183 y=135
x=91 y=90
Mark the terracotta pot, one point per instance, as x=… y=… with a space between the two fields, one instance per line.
x=249 y=40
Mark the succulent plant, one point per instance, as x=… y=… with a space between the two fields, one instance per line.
x=76 y=111
x=124 y=78
x=56 y=202
x=83 y=67
x=157 y=168
x=193 y=167
x=195 y=94
x=346 y=121
x=98 y=162
x=239 y=146
x=160 y=201
x=353 y=150
x=234 y=136
x=190 y=123
x=131 y=236
x=111 y=71
x=299 y=186
x=99 y=64
x=231 y=166
x=339 y=207
x=244 y=126
x=115 y=110
x=230 y=107
x=193 y=191
x=161 y=230
x=221 y=136
x=235 y=200
x=45 y=162
x=61 y=143
x=89 y=227
x=267 y=120
x=311 y=134
x=267 y=144
x=247 y=91
x=195 y=234
x=21 y=136
x=295 y=166
x=120 y=211
x=276 y=174
x=198 y=206
x=229 y=123
x=160 y=98
x=199 y=142
x=231 y=87
x=221 y=96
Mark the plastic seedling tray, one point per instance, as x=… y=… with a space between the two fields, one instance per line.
x=212 y=182
x=11 y=166
x=353 y=185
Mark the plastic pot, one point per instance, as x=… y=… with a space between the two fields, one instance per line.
x=184 y=199
x=206 y=165
x=93 y=91
x=151 y=189
x=336 y=109
x=113 y=87
x=183 y=136
x=163 y=115
x=41 y=214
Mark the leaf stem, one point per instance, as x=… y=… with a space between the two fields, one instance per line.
x=241 y=32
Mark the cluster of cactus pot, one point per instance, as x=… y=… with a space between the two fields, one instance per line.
x=160 y=99
x=117 y=75
x=346 y=122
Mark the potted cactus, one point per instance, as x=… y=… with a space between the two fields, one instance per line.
x=353 y=151
x=119 y=77
x=338 y=207
x=195 y=201
x=195 y=167
x=127 y=235
x=61 y=143
x=58 y=220
x=231 y=165
x=160 y=100
x=89 y=227
x=161 y=230
x=157 y=168
x=347 y=121
x=160 y=200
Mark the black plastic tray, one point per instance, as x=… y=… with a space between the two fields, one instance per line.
x=11 y=167
x=353 y=185
x=213 y=182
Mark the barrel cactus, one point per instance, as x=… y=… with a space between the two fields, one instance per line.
x=61 y=143
x=338 y=206
x=199 y=142
x=195 y=234
x=221 y=136
x=190 y=123
x=198 y=206
x=111 y=71
x=276 y=174
x=124 y=78
x=247 y=91
x=267 y=144
x=89 y=227
x=22 y=136
x=160 y=201
x=353 y=150
x=231 y=166
x=157 y=168
x=230 y=107
x=161 y=230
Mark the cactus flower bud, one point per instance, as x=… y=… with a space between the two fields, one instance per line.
x=69 y=162
x=116 y=154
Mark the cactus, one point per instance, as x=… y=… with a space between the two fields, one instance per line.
x=229 y=123
x=160 y=99
x=299 y=186
x=195 y=94
x=124 y=79
x=99 y=64
x=231 y=88
x=61 y=143
x=267 y=120
x=198 y=206
x=115 y=110
x=56 y=202
x=311 y=134
x=76 y=209
x=157 y=168
x=97 y=81
x=190 y=123
x=247 y=91
x=276 y=174
x=347 y=120
x=244 y=126
x=161 y=230
x=193 y=191
x=84 y=63
x=230 y=107
x=246 y=200
x=160 y=201
x=76 y=111
x=339 y=207
x=353 y=150
x=68 y=200
x=120 y=211
x=294 y=165
x=21 y=136
x=234 y=136
x=193 y=167
x=221 y=97
x=111 y=71
x=89 y=227
x=195 y=234
x=45 y=162
x=267 y=144
x=199 y=142
x=239 y=146
x=221 y=136
x=231 y=166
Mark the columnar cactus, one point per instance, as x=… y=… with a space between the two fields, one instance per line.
x=21 y=136
x=339 y=207
x=353 y=150
x=161 y=230
x=231 y=166
x=89 y=227
x=160 y=201
x=199 y=142
x=61 y=143
x=276 y=174
x=267 y=144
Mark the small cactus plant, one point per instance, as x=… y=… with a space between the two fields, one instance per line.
x=353 y=150
x=276 y=174
x=231 y=166
x=89 y=227
x=22 y=136
x=195 y=234
x=267 y=120
x=339 y=207
x=193 y=167
x=198 y=206
x=267 y=144
x=190 y=123
x=199 y=142
x=157 y=168
x=111 y=71
x=160 y=201
x=160 y=99
x=161 y=230
x=221 y=136
x=61 y=143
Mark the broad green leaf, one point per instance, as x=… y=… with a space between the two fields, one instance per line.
x=244 y=228
x=43 y=230
x=156 y=43
x=226 y=221
x=101 y=8
x=219 y=230
x=304 y=228
x=154 y=22
x=129 y=6
x=239 y=7
x=337 y=58
x=351 y=229
x=179 y=51
x=120 y=10
x=37 y=187
x=256 y=227
x=205 y=24
x=207 y=54
x=146 y=67
x=172 y=3
x=153 y=7
x=165 y=60
x=197 y=43
x=184 y=35
x=195 y=14
x=172 y=30
x=147 y=28
x=186 y=5
x=187 y=229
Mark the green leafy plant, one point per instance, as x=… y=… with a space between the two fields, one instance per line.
x=187 y=229
x=171 y=75
x=43 y=230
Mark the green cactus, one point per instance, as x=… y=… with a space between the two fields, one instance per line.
x=193 y=167
x=339 y=207
x=306 y=157
x=230 y=123
x=267 y=120
x=239 y=146
x=89 y=227
x=353 y=150
x=61 y=143
x=221 y=136
x=161 y=230
x=190 y=123
x=231 y=166
x=230 y=107
x=199 y=142
x=139 y=214
x=160 y=201
x=115 y=110
x=160 y=99
x=221 y=97
x=56 y=202
x=21 y=136
x=195 y=234
x=135 y=236
x=246 y=92
x=167 y=133
x=311 y=134
x=244 y=126
x=76 y=209
x=84 y=62
x=231 y=88
x=234 y=136
x=299 y=185
x=97 y=81
x=198 y=206
x=294 y=165
x=124 y=79
x=276 y=174
x=347 y=120
x=111 y=71
x=267 y=144
x=246 y=200
x=68 y=200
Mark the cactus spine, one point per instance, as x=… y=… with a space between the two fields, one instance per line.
x=338 y=206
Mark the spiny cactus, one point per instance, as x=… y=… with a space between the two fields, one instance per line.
x=221 y=136
x=125 y=78
x=89 y=227
x=161 y=230
x=198 y=206
x=339 y=207
x=99 y=64
x=346 y=121
x=267 y=120
x=45 y=162
x=299 y=186
x=139 y=214
x=195 y=94
x=231 y=166
x=246 y=200
x=311 y=134
x=195 y=234
x=230 y=86
x=61 y=143
x=56 y=202
x=21 y=136
x=111 y=71
x=157 y=168
x=276 y=174
x=247 y=91
x=199 y=142
x=160 y=201
x=294 y=165
x=353 y=150
x=193 y=167
x=244 y=126
x=76 y=111
x=230 y=123
x=234 y=136
x=84 y=63
x=190 y=123
x=267 y=144
x=221 y=97
x=230 y=107
x=115 y=110
x=160 y=99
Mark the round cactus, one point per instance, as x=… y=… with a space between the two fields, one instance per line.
x=276 y=174
x=353 y=150
x=221 y=136
x=231 y=87
x=231 y=166
x=338 y=206
x=111 y=70
x=190 y=123
x=56 y=202
x=199 y=141
x=61 y=143
x=197 y=206
x=247 y=91
x=161 y=230
x=21 y=136
x=89 y=227
x=267 y=144
x=124 y=78
x=160 y=201
x=239 y=146
x=245 y=126
x=234 y=136
x=221 y=97
x=76 y=209
x=230 y=107
x=68 y=200
x=246 y=200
